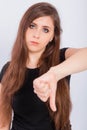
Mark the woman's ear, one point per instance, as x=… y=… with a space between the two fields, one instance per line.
x=51 y=39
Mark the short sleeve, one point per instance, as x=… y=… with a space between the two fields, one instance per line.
x=3 y=70
x=62 y=54
x=62 y=58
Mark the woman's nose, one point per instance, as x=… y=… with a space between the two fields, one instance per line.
x=37 y=34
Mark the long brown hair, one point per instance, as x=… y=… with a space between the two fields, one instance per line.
x=15 y=73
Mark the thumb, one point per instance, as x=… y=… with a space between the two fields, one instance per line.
x=52 y=98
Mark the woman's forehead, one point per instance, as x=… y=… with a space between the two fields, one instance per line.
x=44 y=21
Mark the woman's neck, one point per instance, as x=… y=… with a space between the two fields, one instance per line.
x=32 y=61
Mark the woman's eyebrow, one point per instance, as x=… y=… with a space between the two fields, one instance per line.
x=33 y=23
x=48 y=27
x=45 y=26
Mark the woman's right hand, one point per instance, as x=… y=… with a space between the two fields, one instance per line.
x=45 y=87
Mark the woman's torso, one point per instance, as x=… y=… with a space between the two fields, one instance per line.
x=30 y=113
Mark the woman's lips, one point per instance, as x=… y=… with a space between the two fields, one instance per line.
x=34 y=43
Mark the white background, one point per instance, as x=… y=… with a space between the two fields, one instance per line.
x=73 y=14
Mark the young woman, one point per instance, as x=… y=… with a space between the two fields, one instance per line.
x=32 y=82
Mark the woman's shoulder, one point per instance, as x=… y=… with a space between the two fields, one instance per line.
x=3 y=70
x=62 y=54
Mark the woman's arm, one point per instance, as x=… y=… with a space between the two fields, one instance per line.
x=45 y=86
x=76 y=61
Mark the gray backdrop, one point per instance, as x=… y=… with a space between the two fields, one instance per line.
x=73 y=14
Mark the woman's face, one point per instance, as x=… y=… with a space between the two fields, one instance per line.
x=39 y=34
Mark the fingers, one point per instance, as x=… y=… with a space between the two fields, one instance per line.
x=42 y=91
x=53 y=97
x=45 y=87
x=42 y=88
x=43 y=97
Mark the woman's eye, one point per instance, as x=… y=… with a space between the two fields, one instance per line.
x=32 y=26
x=45 y=30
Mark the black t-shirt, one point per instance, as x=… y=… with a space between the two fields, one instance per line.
x=30 y=113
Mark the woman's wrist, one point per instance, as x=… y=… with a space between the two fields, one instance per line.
x=60 y=71
x=56 y=72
